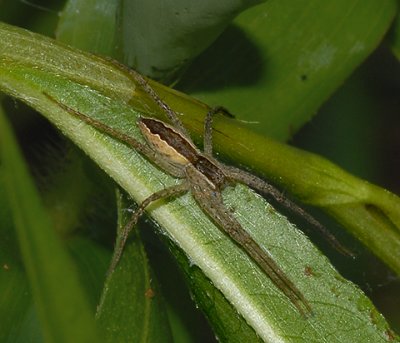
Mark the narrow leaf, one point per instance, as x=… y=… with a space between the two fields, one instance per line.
x=131 y=308
x=63 y=310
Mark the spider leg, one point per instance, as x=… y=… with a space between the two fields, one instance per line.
x=171 y=114
x=262 y=186
x=211 y=203
x=208 y=141
x=123 y=236
x=142 y=148
x=128 y=140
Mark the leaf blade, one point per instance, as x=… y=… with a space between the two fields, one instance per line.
x=286 y=59
x=62 y=307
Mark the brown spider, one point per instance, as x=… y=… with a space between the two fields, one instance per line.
x=171 y=149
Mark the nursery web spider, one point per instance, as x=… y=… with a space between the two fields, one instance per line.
x=171 y=148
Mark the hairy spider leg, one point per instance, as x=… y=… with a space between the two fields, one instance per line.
x=168 y=192
x=261 y=186
x=143 y=149
x=171 y=114
x=208 y=123
x=266 y=188
x=290 y=290
x=211 y=203
x=150 y=154
x=227 y=223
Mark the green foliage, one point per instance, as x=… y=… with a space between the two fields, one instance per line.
x=60 y=302
x=278 y=58
x=141 y=315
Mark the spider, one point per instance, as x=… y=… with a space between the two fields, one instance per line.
x=171 y=149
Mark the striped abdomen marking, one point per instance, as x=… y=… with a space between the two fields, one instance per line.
x=178 y=150
x=168 y=142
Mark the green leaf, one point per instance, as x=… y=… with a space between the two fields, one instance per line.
x=280 y=61
x=122 y=30
x=395 y=37
x=99 y=89
x=63 y=310
x=184 y=29
x=228 y=326
x=132 y=308
x=98 y=18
